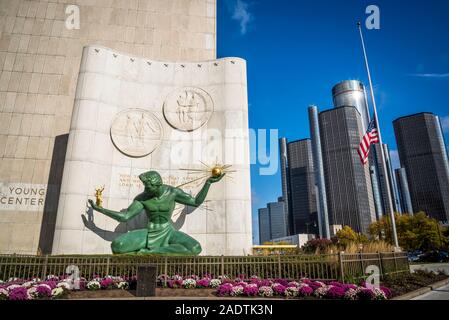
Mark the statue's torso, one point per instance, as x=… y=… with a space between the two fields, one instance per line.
x=159 y=209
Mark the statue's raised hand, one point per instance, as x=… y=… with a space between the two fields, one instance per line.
x=93 y=205
x=216 y=179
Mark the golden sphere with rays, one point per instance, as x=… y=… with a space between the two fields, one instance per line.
x=217 y=172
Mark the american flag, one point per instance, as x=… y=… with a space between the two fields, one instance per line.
x=371 y=137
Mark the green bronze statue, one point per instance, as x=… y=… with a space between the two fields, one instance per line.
x=158 y=201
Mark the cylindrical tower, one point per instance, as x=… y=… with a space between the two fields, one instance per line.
x=284 y=176
x=323 y=216
x=352 y=93
x=404 y=191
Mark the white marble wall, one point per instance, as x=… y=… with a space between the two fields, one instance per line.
x=111 y=82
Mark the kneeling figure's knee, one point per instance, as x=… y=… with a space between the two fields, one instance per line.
x=117 y=246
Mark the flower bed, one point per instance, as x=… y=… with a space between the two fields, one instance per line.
x=265 y=288
x=60 y=287
x=54 y=287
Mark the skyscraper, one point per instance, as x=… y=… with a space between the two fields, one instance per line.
x=382 y=181
x=278 y=220
x=348 y=183
x=353 y=93
x=264 y=225
x=298 y=186
x=423 y=154
x=303 y=200
x=403 y=191
x=272 y=222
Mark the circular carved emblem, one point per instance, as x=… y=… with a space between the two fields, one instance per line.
x=188 y=109
x=136 y=133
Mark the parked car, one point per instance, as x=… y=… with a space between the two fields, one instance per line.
x=434 y=256
x=413 y=256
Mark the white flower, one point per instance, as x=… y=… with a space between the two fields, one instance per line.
x=28 y=284
x=351 y=294
x=118 y=279
x=237 y=291
x=52 y=277
x=32 y=294
x=93 y=285
x=379 y=294
x=36 y=280
x=265 y=292
x=57 y=292
x=123 y=285
x=64 y=284
x=12 y=287
x=189 y=284
x=322 y=291
x=292 y=292
x=3 y=294
x=293 y=284
x=13 y=279
x=215 y=283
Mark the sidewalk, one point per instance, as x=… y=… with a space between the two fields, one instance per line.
x=437 y=294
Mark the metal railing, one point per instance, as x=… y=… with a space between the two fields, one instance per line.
x=338 y=266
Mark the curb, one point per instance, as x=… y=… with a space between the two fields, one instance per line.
x=421 y=291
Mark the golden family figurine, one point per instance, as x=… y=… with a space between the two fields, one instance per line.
x=99 y=196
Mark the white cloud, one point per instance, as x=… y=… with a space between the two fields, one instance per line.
x=445 y=124
x=240 y=13
x=394 y=157
x=431 y=75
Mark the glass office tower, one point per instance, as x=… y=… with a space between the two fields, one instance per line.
x=348 y=183
x=303 y=202
x=423 y=154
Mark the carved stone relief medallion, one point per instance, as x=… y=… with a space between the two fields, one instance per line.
x=188 y=109
x=136 y=132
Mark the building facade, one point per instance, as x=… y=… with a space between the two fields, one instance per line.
x=44 y=70
x=303 y=198
x=403 y=191
x=264 y=225
x=352 y=93
x=317 y=154
x=348 y=182
x=423 y=155
x=278 y=220
x=273 y=222
x=298 y=186
x=383 y=181
x=285 y=182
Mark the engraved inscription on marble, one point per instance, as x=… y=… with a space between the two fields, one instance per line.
x=188 y=109
x=136 y=133
x=22 y=196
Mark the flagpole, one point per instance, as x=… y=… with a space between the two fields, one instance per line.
x=382 y=151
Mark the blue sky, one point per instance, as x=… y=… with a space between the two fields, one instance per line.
x=297 y=50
